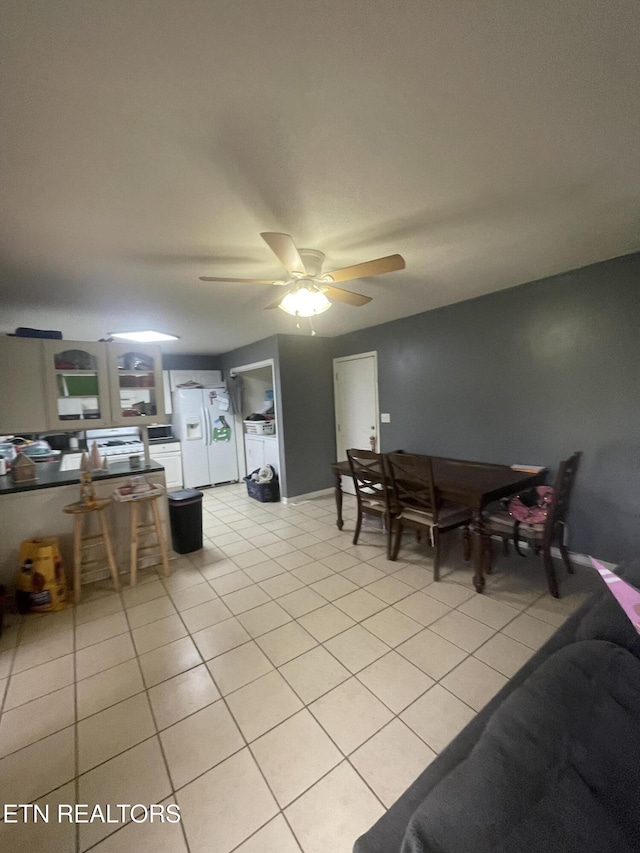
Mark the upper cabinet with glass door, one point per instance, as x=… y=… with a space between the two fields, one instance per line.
x=135 y=377
x=76 y=383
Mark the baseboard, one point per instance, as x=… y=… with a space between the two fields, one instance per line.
x=298 y=499
x=580 y=559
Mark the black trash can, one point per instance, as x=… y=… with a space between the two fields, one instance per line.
x=185 y=516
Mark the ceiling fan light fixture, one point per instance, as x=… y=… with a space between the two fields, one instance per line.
x=305 y=301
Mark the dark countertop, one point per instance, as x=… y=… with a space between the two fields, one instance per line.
x=49 y=476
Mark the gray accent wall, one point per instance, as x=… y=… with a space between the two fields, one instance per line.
x=527 y=375
x=304 y=406
x=180 y=361
x=307 y=412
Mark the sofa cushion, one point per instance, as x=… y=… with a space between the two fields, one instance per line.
x=556 y=768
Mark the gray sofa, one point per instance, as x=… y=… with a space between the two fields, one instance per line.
x=552 y=763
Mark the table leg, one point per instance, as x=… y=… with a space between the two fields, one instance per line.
x=337 y=479
x=478 y=550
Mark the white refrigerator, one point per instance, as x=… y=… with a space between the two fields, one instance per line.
x=203 y=421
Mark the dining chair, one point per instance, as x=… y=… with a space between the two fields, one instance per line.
x=542 y=536
x=419 y=506
x=373 y=490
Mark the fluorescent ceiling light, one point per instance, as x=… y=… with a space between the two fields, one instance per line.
x=305 y=301
x=147 y=336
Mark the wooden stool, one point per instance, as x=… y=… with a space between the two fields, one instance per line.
x=82 y=542
x=152 y=528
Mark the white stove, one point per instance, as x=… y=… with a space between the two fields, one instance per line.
x=117 y=444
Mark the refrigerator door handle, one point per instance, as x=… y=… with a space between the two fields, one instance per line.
x=207 y=426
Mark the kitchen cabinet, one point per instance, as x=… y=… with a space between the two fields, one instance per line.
x=136 y=384
x=65 y=385
x=169 y=455
x=76 y=384
x=23 y=406
x=261 y=450
x=89 y=385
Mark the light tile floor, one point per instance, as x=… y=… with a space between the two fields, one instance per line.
x=283 y=687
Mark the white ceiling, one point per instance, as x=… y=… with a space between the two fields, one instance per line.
x=147 y=142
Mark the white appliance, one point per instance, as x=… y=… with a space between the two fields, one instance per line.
x=169 y=455
x=117 y=444
x=203 y=421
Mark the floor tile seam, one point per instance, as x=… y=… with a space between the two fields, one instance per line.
x=423 y=738
x=365 y=782
x=112 y=704
x=128 y=822
x=275 y=725
x=103 y=640
x=271 y=597
x=339 y=662
x=371 y=633
x=138 y=656
x=25 y=645
x=295 y=657
x=343 y=760
x=520 y=613
x=106 y=669
x=3 y=701
x=506 y=636
x=457 y=645
x=37 y=740
x=442 y=677
x=344 y=630
x=315 y=782
x=156 y=735
x=48 y=793
x=344 y=753
x=161 y=745
x=286 y=820
x=70 y=683
x=396 y=713
x=537 y=602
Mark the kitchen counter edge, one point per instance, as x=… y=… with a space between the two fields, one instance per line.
x=50 y=476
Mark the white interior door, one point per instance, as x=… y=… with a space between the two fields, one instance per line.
x=355 y=382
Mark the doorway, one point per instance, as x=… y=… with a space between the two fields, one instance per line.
x=355 y=388
x=260 y=447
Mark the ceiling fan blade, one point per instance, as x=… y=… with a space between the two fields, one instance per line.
x=245 y=280
x=275 y=304
x=340 y=295
x=389 y=264
x=284 y=248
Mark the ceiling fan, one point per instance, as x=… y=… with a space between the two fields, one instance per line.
x=309 y=289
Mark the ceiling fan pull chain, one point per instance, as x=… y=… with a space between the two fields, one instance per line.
x=313 y=331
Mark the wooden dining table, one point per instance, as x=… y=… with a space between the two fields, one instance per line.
x=472 y=484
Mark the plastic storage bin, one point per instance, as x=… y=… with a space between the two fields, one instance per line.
x=185 y=517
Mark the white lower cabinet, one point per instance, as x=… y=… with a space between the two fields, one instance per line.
x=261 y=450
x=169 y=455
